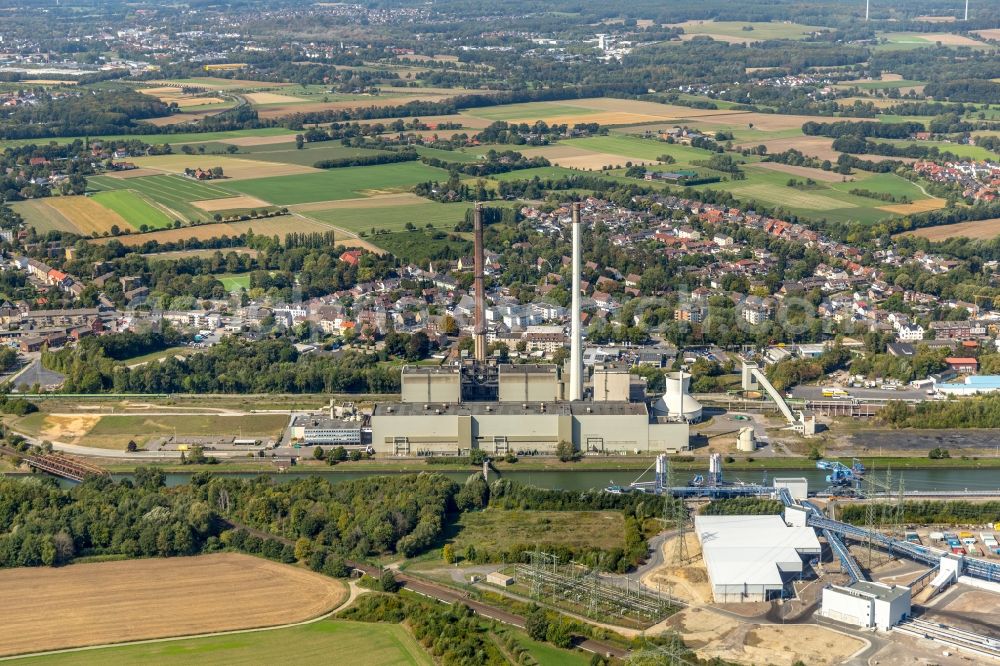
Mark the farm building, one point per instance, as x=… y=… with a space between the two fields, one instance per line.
x=751 y=558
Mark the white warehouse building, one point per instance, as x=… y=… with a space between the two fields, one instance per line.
x=751 y=558
x=867 y=605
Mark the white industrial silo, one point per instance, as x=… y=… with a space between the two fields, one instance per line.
x=676 y=402
x=746 y=441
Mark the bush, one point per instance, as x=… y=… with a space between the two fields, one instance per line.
x=565 y=451
x=537 y=624
x=387 y=582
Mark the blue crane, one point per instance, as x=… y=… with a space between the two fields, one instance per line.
x=840 y=474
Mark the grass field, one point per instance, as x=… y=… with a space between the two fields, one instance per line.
x=172 y=139
x=234 y=282
x=325 y=641
x=287 y=153
x=393 y=218
x=173 y=193
x=110 y=602
x=916 y=40
x=498 y=529
x=134 y=209
x=336 y=184
x=638 y=148
x=735 y=32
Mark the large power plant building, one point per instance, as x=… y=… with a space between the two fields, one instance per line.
x=508 y=408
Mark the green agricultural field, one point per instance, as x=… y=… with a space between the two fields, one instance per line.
x=325 y=641
x=530 y=110
x=960 y=149
x=760 y=30
x=335 y=184
x=827 y=200
x=174 y=193
x=394 y=218
x=134 y=208
x=311 y=153
x=172 y=139
x=499 y=530
x=638 y=148
x=460 y=155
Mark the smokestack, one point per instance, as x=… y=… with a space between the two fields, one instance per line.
x=479 y=329
x=575 y=334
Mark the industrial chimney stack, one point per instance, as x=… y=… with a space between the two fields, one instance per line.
x=575 y=335
x=479 y=330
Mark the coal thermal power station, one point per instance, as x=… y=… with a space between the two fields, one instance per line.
x=506 y=408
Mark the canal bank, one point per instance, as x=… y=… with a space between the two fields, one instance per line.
x=943 y=480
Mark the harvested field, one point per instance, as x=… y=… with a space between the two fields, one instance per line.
x=211 y=82
x=234 y=168
x=187 y=254
x=271 y=226
x=279 y=110
x=230 y=203
x=921 y=206
x=936 y=19
x=992 y=33
x=178 y=118
x=663 y=111
x=49 y=82
x=805 y=172
x=111 y=602
x=814 y=146
x=765 y=122
x=272 y=98
x=736 y=32
x=979 y=230
x=949 y=39
x=86 y=215
x=173 y=95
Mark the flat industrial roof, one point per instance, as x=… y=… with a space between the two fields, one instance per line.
x=430 y=370
x=318 y=421
x=883 y=592
x=511 y=408
x=752 y=550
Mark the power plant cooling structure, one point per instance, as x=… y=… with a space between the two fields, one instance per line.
x=575 y=334
x=677 y=402
x=479 y=333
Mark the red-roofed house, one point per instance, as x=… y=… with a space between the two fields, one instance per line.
x=351 y=257
x=965 y=365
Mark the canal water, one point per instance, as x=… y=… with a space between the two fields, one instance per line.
x=917 y=479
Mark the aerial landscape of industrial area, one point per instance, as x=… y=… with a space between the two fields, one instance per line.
x=443 y=332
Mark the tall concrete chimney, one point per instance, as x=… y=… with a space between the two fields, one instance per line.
x=575 y=332
x=479 y=326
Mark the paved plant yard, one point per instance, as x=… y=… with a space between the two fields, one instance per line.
x=109 y=602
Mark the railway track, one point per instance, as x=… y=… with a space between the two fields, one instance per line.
x=450 y=595
x=978 y=644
